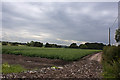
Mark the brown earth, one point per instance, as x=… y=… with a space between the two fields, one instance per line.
x=87 y=67
x=96 y=57
x=32 y=62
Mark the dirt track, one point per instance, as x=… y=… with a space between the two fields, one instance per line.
x=87 y=67
x=96 y=57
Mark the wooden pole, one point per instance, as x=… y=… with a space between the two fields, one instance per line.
x=109 y=36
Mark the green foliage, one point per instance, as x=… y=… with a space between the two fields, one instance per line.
x=73 y=45
x=4 y=43
x=111 y=62
x=51 y=45
x=95 y=45
x=6 y=68
x=83 y=46
x=111 y=54
x=35 y=44
x=12 y=43
x=111 y=70
x=98 y=46
x=52 y=53
x=54 y=67
x=117 y=35
x=47 y=45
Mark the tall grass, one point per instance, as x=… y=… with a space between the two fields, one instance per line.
x=111 y=62
x=52 y=53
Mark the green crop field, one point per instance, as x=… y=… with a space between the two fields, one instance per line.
x=52 y=53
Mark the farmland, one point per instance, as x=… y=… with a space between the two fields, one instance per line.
x=50 y=53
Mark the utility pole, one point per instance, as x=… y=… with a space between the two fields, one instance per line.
x=109 y=36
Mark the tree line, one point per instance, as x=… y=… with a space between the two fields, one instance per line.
x=12 y=43
x=88 y=46
x=48 y=45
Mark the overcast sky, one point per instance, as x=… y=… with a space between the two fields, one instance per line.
x=58 y=22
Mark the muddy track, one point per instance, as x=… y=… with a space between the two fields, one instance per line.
x=87 y=67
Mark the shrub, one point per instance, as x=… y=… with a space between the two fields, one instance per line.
x=111 y=61
x=117 y=35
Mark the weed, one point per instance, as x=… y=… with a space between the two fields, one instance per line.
x=6 y=68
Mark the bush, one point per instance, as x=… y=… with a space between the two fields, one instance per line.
x=117 y=35
x=111 y=61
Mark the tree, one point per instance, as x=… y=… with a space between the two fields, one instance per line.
x=38 y=44
x=32 y=43
x=83 y=46
x=28 y=44
x=47 y=45
x=4 y=43
x=59 y=46
x=35 y=44
x=73 y=45
x=14 y=43
x=51 y=45
x=117 y=35
x=94 y=45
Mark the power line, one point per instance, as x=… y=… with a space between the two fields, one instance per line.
x=109 y=37
x=114 y=22
x=109 y=40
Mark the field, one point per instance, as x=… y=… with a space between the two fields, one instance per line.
x=51 y=53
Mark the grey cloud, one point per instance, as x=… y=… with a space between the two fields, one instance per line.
x=67 y=21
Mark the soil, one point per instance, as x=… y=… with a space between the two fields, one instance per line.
x=87 y=67
x=96 y=57
x=32 y=62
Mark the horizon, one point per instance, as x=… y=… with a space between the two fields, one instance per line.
x=59 y=23
x=53 y=43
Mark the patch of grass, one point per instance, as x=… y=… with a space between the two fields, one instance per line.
x=6 y=68
x=111 y=62
x=52 y=53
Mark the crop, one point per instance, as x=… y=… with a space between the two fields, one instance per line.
x=51 y=53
